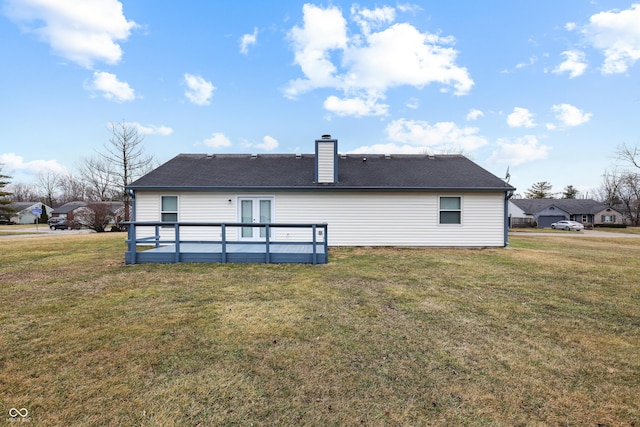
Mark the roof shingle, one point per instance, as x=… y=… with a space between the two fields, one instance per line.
x=290 y=171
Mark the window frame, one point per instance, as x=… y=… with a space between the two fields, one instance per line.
x=164 y=212
x=442 y=210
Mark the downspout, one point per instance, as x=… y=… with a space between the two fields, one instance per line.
x=132 y=193
x=507 y=196
x=131 y=231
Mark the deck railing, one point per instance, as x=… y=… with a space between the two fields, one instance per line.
x=158 y=238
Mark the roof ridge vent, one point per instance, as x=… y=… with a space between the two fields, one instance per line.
x=298 y=156
x=387 y=156
x=254 y=156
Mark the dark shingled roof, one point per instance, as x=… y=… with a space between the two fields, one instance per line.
x=290 y=171
x=571 y=206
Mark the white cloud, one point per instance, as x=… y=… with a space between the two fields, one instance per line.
x=217 y=140
x=415 y=136
x=248 y=40
x=522 y=150
x=532 y=60
x=323 y=30
x=111 y=88
x=617 y=34
x=199 y=91
x=369 y=19
x=570 y=115
x=413 y=103
x=268 y=143
x=570 y=26
x=152 y=129
x=365 y=65
x=356 y=107
x=521 y=117
x=13 y=163
x=84 y=32
x=574 y=64
x=474 y=114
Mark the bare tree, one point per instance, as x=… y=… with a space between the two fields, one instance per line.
x=609 y=192
x=49 y=183
x=629 y=194
x=71 y=188
x=23 y=192
x=125 y=155
x=629 y=155
x=99 y=177
x=95 y=216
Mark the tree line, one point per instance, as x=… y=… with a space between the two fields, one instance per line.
x=620 y=186
x=102 y=177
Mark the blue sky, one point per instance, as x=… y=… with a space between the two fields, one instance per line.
x=547 y=89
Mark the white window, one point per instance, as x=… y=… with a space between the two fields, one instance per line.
x=169 y=209
x=450 y=210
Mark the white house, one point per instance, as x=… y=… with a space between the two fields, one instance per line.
x=365 y=200
x=27 y=212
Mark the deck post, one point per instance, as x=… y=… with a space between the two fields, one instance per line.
x=223 y=230
x=133 y=245
x=176 y=227
x=326 y=242
x=267 y=255
x=157 y=236
x=314 y=260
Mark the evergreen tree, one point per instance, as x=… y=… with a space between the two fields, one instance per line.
x=570 y=192
x=5 y=201
x=44 y=217
x=539 y=190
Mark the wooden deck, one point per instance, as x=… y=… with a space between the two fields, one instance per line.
x=155 y=249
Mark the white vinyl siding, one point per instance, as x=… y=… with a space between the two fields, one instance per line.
x=376 y=218
x=326 y=162
x=397 y=219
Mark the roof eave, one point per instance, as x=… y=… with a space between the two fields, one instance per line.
x=328 y=187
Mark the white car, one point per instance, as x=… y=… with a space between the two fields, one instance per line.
x=567 y=225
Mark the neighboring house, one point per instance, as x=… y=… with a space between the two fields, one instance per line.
x=544 y=212
x=67 y=210
x=23 y=212
x=365 y=199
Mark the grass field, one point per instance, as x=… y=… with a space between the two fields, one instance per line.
x=544 y=333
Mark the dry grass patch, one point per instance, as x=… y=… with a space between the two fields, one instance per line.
x=546 y=334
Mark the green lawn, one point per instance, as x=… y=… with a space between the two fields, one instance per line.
x=546 y=332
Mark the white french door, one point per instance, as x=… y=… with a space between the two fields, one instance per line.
x=254 y=210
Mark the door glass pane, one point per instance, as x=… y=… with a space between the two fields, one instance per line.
x=246 y=214
x=265 y=214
